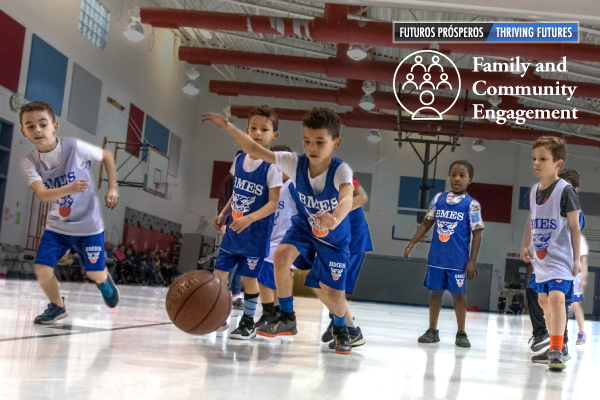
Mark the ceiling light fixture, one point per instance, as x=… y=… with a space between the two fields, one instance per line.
x=374 y=136
x=357 y=52
x=191 y=86
x=135 y=30
x=367 y=103
x=478 y=145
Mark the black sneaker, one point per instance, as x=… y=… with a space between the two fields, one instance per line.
x=341 y=340
x=265 y=318
x=462 y=340
x=430 y=336
x=283 y=325
x=356 y=338
x=555 y=360
x=245 y=329
x=540 y=342
x=328 y=334
x=541 y=358
x=52 y=314
x=238 y=304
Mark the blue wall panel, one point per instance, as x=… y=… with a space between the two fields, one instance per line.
x=409 y=192
x=157 y=135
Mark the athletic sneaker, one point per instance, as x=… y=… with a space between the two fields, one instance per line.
x=264 y=318
x=109 y=291
x=539 y=342
x=328 y=334
x=52 y=314
x=245 y=329
x=565 y=353
x=238 y=304
x=462 y=340
x=222 y=329
x=556 y=360
x=356 y=338
x=430 y=336
x=283 y=325
x=543 y=358
x=581 y=338
x=341 y=340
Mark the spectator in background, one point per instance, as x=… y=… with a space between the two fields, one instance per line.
x=131 y=265
x=119 y=253
x=120 y=273
x=502 y=303
x=109 y=247
x=518 y=303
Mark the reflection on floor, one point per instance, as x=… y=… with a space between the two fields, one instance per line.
x=133 y=352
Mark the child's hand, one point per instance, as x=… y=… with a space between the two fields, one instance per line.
x=77 y=186
x=577 y=267
x=241 y=223
x=471 y=270
x=216 y=119
x=325 y=220
x=111 y=198
x=526 y=255
x=218 y=222
x=408 y=249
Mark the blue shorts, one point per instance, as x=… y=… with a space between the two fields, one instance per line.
x=531 y=284
x=560 y=285
x=267 y=275
x=354 y=264
x=54 y=245
x=247 y=266
x=577 y=298
x=330 y=265
x=440 y=279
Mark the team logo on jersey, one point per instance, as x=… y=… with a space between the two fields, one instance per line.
x=316 y=229
x=64 y=205
x=460 y=279
x=93 y=252
x=252 y=262
x=445 y=229
x=540 y=244
x=336 y=273
x=240 y=205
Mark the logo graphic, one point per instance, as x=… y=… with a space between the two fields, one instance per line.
x=240 y=204
x=252 y=262
x=540 y=244
x=460 y=279
x=336 y=273
x=445 y=229
x=558 y=280
x=64 y=204
x=413 y=76
x=316 y=229
x=93 y=252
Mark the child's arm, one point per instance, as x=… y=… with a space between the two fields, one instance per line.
x=573 y=221
x=222 y=217
x=423 y=229
x=242 y=223
x=360 y=198
x=584 y=271
x=525 y=254
x=472 y=264
x=47 y=195
x=111 y=198
x=247 y=145
x=331 y=220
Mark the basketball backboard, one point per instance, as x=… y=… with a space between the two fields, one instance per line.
x=156 y=178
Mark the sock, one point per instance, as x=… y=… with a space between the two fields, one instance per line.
x=556 y=342
x=339 y=321
x=250 y=301
x=234 y=297
x=352 y=323
x=276 y=309
x=268 y=308
x=287 y=304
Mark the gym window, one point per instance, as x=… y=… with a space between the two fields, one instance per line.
x=93 y=22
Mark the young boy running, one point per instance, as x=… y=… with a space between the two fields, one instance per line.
x=554 y=230
x=324 y=185
x=252 y=204
x=457 y=216
x=59 y=171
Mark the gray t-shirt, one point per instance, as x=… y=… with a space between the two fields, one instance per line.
x=568 y=200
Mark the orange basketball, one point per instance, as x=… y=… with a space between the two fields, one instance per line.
x=198 y=302
x=236 y=214
x=444 y=238
x=320 y=234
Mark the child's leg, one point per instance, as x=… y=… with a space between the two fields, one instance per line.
x=266 y=294
x=460 y=309
x=222 y=275
x=97 y=276
x=49 y=283
x=336 y=302
x=435 y=305
x=327 y=302
x=282 y=261
x=579 y=317
x=250 y=295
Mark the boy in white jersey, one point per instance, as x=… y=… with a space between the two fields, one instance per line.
x=59 y=171
x=556 y=242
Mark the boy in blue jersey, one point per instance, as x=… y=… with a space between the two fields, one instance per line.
x=59 y=171
x=554 y=231
x=324 y=186
x=457 y=216
x=252 y=204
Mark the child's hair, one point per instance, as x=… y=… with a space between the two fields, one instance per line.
x=571 y=176
x=466 y=164
x=556 y=146
x=281 y=147
x=323 y=118
x=36 y=106
x=267 y=112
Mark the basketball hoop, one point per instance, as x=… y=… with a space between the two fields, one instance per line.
x=169 y=188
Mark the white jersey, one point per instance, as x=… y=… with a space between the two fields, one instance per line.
x=552 y=248
x=283 y=219
x=585 y=249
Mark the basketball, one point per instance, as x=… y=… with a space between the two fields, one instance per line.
x=198 y=302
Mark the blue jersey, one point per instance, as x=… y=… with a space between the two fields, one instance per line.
x=250 y=194
x=450 y=243
x=308 y=204
x=361 y=239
